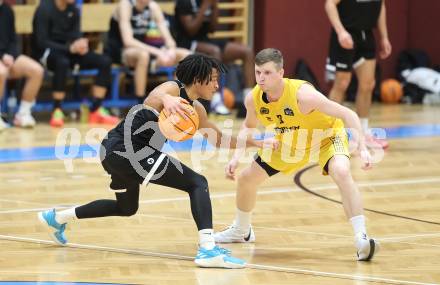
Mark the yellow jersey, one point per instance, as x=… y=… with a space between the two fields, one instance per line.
x=304 y=138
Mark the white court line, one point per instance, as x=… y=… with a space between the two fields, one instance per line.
x=263 y=228
x=95 y=247
x=78 y=176
x=294 y=188
x=269 y=192
x=386 y=240
x=221 y=195
x=33 y=273
x=335 y=275
x=412 y=236
x=250 y=265
x=152 y=201
x=226 y=224
x=47 y=178
x=24 y=202
x=14 y=180
x=415 y=243
x=25 y=210
x=381 y=183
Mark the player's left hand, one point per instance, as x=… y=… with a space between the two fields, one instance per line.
x=386 y=48
x=365 y=158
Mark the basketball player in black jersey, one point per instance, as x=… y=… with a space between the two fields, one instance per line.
x=131 y=154
x=352 y=46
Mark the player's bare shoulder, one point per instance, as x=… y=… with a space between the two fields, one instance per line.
x=307 y=98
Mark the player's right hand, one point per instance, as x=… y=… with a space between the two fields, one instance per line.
x=7 y=60
x=230 y=169
x=164 y=58
x=345 y=40
x=271 y=143
x=174 y=104
x=385 y=48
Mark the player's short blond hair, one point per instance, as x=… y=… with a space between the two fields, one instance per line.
x=268 y=55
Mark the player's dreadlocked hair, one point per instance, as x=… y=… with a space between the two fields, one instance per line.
x=198 y=68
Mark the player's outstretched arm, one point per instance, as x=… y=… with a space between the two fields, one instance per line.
x=213 y=134
x=220 y=139
x=309 y=99
x=246 y=132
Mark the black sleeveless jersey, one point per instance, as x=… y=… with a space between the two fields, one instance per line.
x=359 y=14
x=140 y=21
x=140 y=127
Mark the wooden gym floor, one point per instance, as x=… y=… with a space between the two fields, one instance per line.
x=301 y=238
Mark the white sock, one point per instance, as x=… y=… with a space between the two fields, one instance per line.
x=364 y=124
x=358 y=224
x=206 y=239
x=25 y=107
x=65 y=216
x=243 y=221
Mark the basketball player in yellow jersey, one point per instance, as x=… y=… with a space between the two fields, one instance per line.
x=299 y=114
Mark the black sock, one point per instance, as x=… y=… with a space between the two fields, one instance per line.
x=96 y=103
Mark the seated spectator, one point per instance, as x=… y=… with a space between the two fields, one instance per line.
x=194 y=20
x=58 y=44
x=15 y=66
x=139 y=38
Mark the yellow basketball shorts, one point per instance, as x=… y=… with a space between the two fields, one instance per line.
x=335 y=145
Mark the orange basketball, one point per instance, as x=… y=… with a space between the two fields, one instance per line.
x=391 y=91
x=228 y=98
x=174 y=127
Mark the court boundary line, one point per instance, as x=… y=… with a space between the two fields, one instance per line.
x=264 y=192
x=249 y=265
x=293 y=188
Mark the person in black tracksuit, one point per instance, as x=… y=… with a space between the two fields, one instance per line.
x=352 y=46
x=58 y=44
x=131 y=154
x=14 y=66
